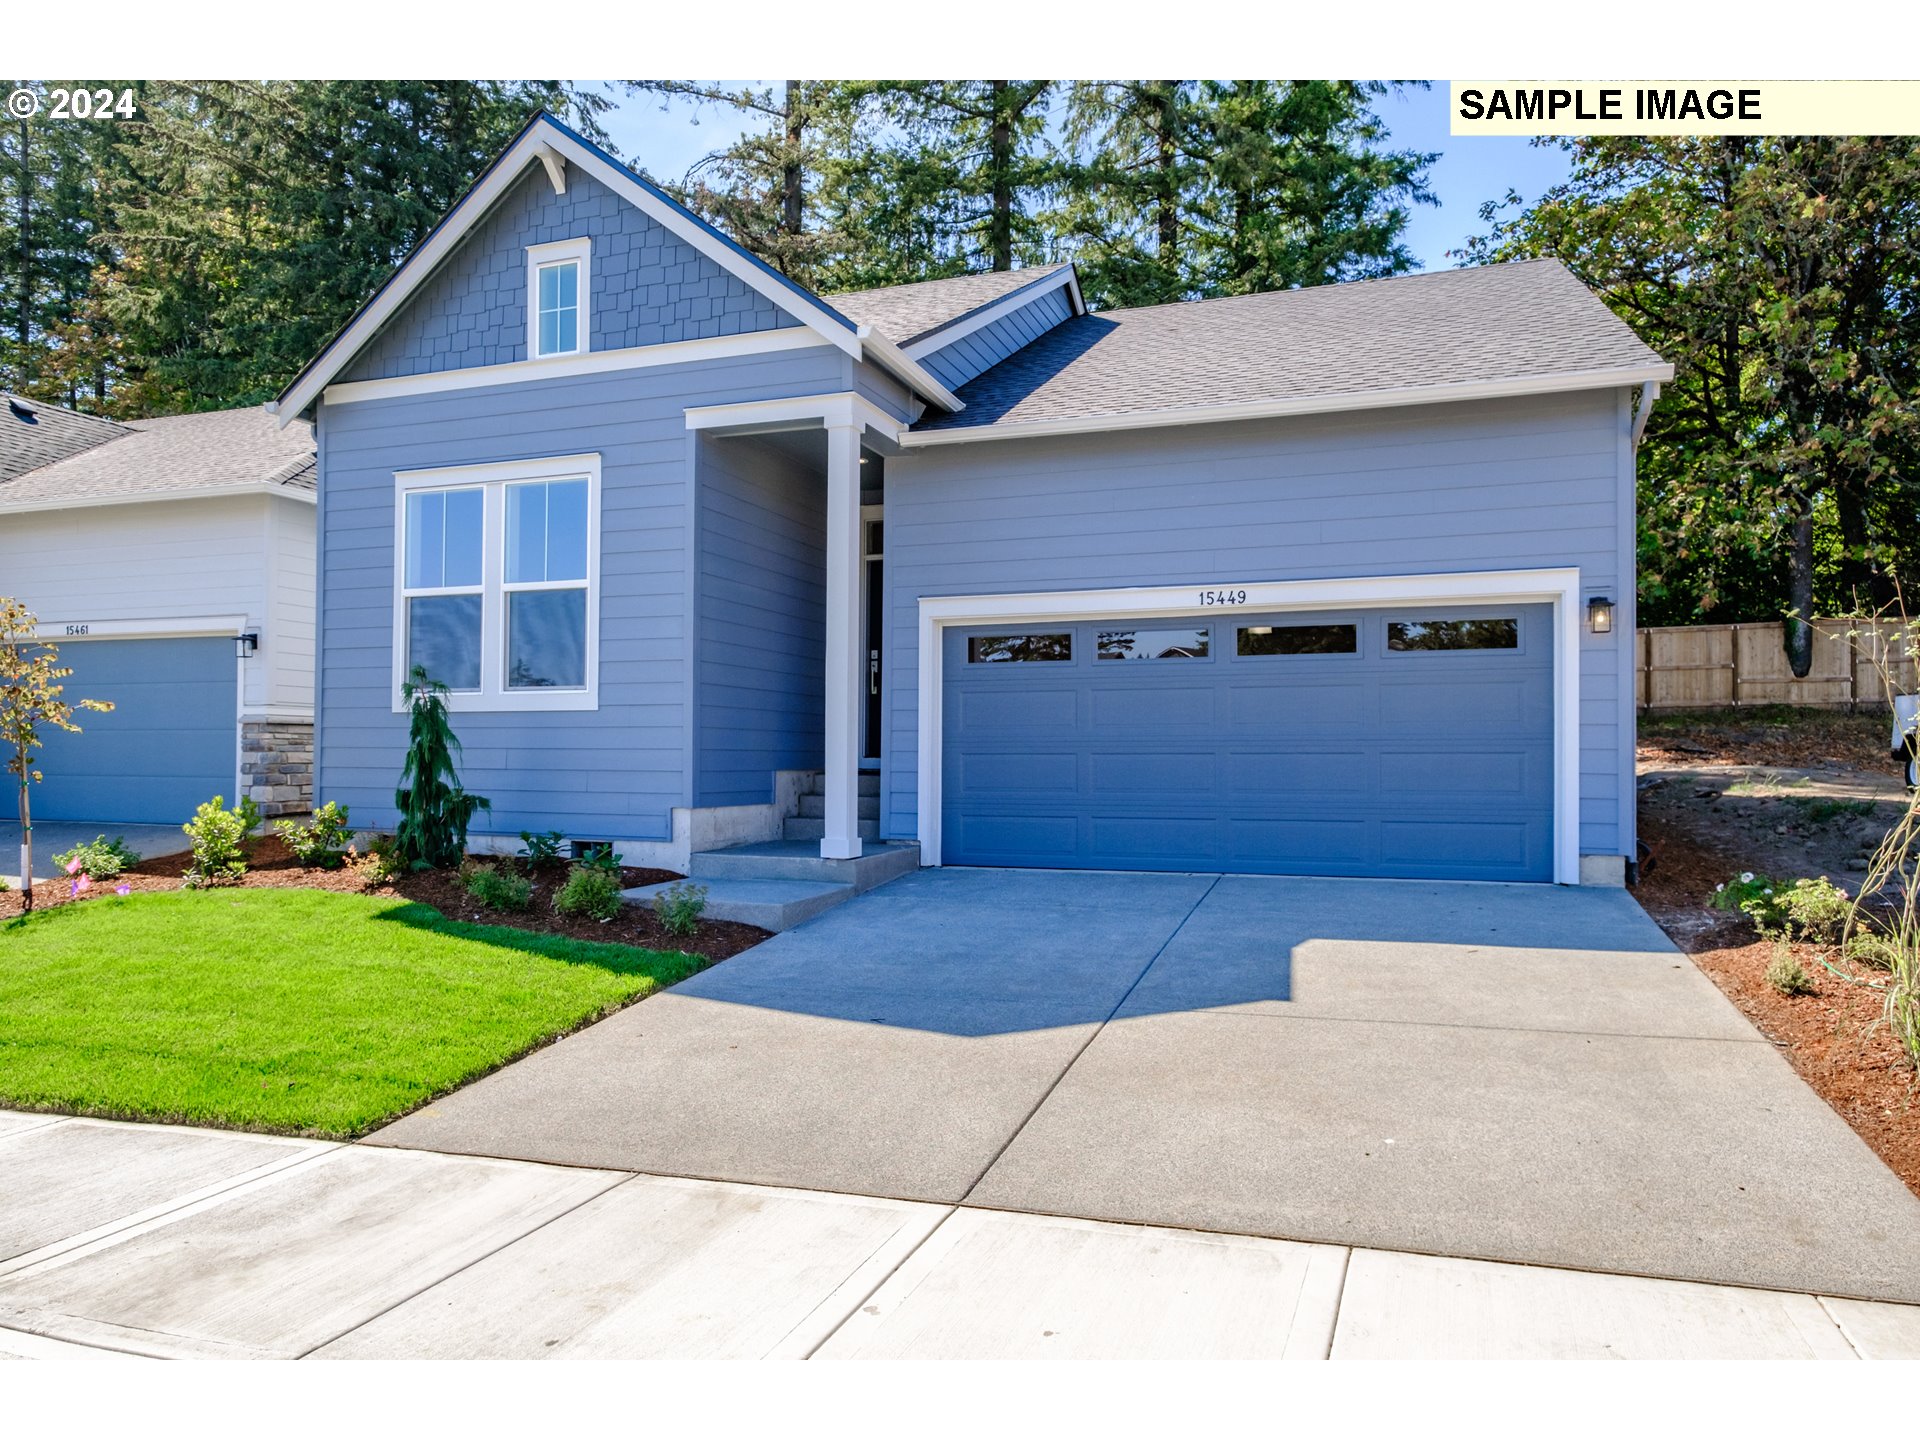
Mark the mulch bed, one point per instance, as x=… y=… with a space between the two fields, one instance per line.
x=270 y=865
x=1831 y=1037
x=1764 y=735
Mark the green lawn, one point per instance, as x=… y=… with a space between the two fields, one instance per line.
x=288 y=1010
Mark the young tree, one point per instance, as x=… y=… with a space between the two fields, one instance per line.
x=30 y=697
x=434 y=810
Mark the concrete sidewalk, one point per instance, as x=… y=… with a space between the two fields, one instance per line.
x=119 y=1241
x=1523 y=1073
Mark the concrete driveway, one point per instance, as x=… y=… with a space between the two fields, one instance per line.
x=51 y=837
x=1503 y=1072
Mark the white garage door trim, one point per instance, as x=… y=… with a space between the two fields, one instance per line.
x=1558 y=587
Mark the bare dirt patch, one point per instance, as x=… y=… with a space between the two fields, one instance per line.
x=270 y=865
x=1787 y=794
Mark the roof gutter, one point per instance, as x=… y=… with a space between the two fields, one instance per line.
x=1649 y=393
x=1301 y=405
x=199 y=492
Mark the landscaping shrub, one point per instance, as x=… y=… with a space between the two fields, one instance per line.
x=1754 y=896
x=680 y=906
x=219 y=837
x=543 y=848
x=1815 y=909
x=434 y=810
x=382 y=862
x=100 y=858
x=321 y=844
x=589 y=890
x=1872 y=951
x=601 y=857
x=499 y=889
x=1786 y=974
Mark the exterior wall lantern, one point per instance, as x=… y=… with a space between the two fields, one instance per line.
x=245 y=645
x=1600 y=615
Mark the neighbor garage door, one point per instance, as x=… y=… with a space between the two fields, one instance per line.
x=169 y=742
x=1413 y=743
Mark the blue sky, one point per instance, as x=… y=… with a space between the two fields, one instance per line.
x=1470 y=171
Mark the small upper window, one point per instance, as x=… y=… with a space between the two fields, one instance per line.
x=1298 y=640
x=996 y=649
x=1502 y=634
x=560 y=308
x=1152 y=645
x=557 y=298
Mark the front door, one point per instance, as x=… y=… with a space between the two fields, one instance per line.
x=876 y=607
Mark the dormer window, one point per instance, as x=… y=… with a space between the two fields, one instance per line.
x=557 y=299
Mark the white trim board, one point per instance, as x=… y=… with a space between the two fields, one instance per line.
x=965 y=325
x=1557 y=587
x=798 y=412
x=544 y=140
x=1292 y=405
x=63 y=632
x=596 y=362
x=200 y=492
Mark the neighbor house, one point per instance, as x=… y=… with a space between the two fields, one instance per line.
x=1334 y=581
x=172 y=562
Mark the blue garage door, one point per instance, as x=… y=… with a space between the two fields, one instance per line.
x=170 y=741
x=1413 y=743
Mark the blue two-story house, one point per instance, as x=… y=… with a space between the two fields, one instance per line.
x=764 y=583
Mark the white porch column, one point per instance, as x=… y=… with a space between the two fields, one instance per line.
x=844 y=670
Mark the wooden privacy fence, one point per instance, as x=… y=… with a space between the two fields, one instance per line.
x=1688 y=667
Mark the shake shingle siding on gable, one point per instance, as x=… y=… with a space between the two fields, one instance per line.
x=647 y=286
x=1493 y=485
x=954 y=365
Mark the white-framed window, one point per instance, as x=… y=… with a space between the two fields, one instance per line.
x=497 y=582
x=557 y=294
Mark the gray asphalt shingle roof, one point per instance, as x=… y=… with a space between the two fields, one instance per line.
x=33 y=433
x=906 y=313
x=149 y=459
x=1446 y=327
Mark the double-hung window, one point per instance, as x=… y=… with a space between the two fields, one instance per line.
x=557 y=277
x=497 y=583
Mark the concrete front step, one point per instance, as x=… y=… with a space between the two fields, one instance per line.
x=884 y=860
x=804 y=827
x=814 y=807
x=817 y=785
x=771 y=904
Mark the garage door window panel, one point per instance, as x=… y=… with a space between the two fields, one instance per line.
x=1502 y=633
x=1152 y=644
x=1020 y=649
x=1298 y=640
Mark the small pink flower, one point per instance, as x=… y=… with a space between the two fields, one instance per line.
x=73 y=866
x=83 y=883
x=123 y=889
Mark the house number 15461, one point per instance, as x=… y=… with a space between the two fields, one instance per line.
x=1223 y=597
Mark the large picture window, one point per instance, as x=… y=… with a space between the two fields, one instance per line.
x=497 y=582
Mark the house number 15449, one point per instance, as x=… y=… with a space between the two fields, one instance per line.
x=1223 y=597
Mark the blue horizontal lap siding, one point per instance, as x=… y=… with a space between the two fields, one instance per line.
x=170 y=742
x=759 y=679
x=1495 y=485
x=616 y=771
x=975 y=354
x=1429 y=765
x=645 y=285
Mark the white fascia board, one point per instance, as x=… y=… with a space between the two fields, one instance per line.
x=998 y=310
x=1302 y=405
x=799 y=412
x=504 y=174
x=1649 y=393
x=836 y=329
x=908 y=371
x=594 y=362
x=1558 y=586
x=204 y=492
